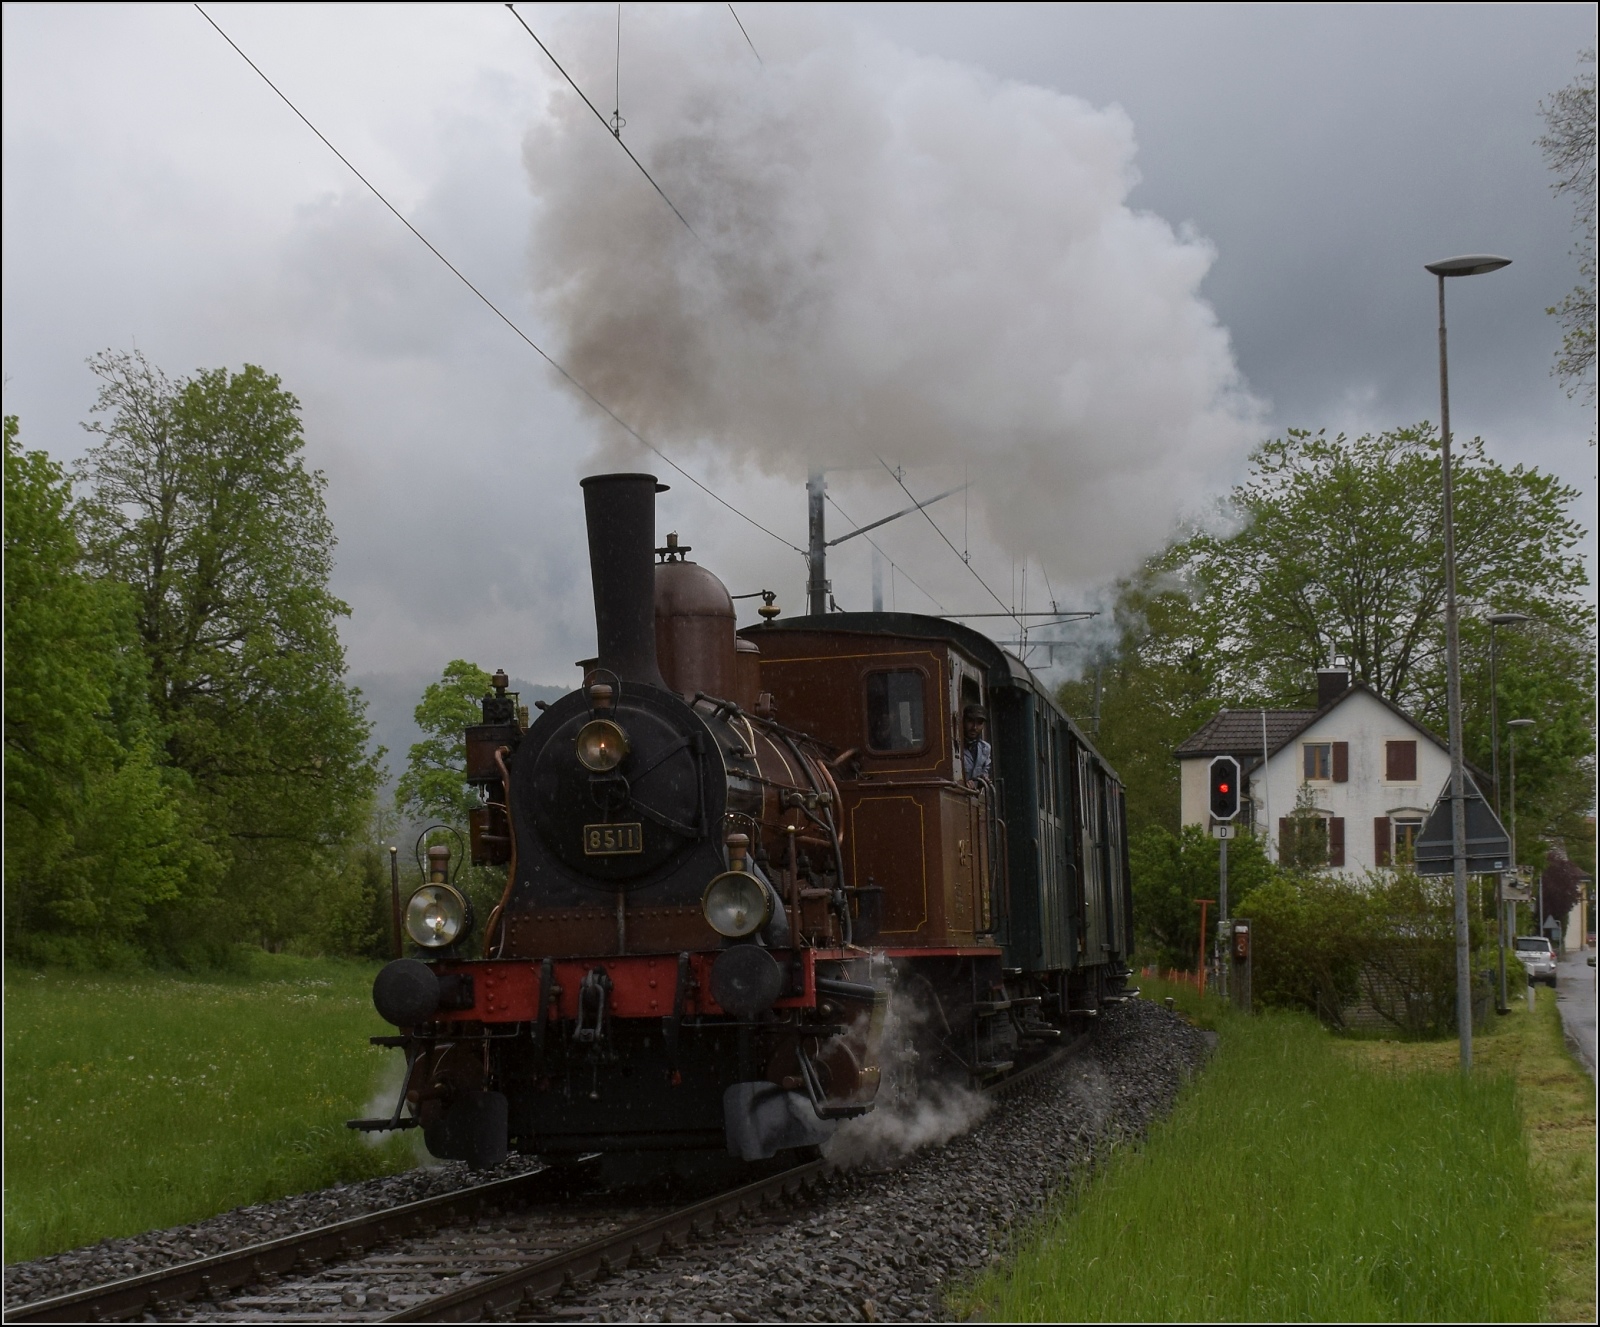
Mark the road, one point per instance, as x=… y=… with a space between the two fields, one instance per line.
x=1575 y=998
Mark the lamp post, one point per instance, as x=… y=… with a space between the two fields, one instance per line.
x=1471 y=265
x=1497 y=620
x=1513 y=725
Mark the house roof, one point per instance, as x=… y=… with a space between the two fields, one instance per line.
x=1239 y=731
x=1233 y=731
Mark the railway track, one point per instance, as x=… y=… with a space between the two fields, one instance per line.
x=473 y=1255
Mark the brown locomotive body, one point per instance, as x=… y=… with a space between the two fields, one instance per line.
x=722 y=853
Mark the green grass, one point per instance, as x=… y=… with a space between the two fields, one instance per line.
x=1557 y=1098
x=149 y=1100
x=1294 y=1184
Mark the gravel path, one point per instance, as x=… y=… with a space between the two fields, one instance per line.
x=931 y=1196
x=885 y=1238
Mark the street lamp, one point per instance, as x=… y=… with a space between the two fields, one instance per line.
x=1471 y=265
x=1497 y=620
x=1512 y=727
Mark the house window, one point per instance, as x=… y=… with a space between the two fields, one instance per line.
x=1319 y=760
x=895 y=710
x=1400 y=762
x=1405 y=838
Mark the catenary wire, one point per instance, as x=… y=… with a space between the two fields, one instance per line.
x=614 y=132
x=886 y=557
x=1010 y=612
x=494 y=308
x=753 y=52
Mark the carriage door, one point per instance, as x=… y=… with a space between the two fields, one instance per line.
x=976 y=861
x=1054 y=897
x=1091 y=810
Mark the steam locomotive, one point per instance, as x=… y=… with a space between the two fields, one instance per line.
x=723 y=852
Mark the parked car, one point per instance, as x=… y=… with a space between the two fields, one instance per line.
x=1538 y=958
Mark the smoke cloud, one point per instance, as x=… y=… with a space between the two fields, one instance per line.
x=897 y=256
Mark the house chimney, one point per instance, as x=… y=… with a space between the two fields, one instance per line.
x=1332 y=682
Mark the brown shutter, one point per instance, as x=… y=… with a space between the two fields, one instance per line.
x=1285 y=838
x=1401 y=762
x=1341 y=762
x=1380 y=840
x=1336 y=838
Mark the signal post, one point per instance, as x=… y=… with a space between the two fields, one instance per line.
x=1224 y=781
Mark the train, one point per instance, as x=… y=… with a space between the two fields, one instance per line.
x=729 y=856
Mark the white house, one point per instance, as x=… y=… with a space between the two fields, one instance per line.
x=1367 y=771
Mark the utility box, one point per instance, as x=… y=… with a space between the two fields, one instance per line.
x=1239 y=957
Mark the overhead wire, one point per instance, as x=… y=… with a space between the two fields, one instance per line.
x=748 y=42
x=491 y=305
x=614 y=131
x=1010 y=610
x=897 y=567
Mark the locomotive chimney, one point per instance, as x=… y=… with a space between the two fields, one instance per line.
x=621 y=513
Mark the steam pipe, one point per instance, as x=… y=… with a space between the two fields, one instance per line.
x=621 y=516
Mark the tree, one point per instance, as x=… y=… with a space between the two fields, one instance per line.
x=1568 y=144
x=1171 y=871
x=99 y=859
x=1562 y=882
x=1337 y=550
x=1155 y=689
x=434 y=786
x=199 y=499
x=1334 y=546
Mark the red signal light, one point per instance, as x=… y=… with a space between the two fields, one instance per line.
x=1222 y=787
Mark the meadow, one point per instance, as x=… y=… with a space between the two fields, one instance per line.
x=1305 y=1177
x=144 y=1100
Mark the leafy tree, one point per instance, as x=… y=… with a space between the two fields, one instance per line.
x=1568 y=144
x=434 y=785
x=100 y=859
x=1562 y=882
x=198 y=498
x=1170 y=871
x=1156 y=689
x=1337 y=548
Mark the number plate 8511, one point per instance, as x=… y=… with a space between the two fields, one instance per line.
x=606 y=840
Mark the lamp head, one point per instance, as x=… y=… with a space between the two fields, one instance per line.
x=1509 y=619
x=1468 y=265
x=1519 y=723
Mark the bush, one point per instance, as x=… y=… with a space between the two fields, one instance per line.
x=1322 y=942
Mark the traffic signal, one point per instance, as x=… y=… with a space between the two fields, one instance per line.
x=1224 y=788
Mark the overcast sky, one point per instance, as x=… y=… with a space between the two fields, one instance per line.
x=1264 y=182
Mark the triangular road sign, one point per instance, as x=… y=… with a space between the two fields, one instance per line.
x=1488 y=845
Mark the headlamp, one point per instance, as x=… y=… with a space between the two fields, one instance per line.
x=602 y=745
x=437 y=915
x=736 y=904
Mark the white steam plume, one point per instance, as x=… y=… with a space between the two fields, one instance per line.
x=914 y=1109
x=899 y=256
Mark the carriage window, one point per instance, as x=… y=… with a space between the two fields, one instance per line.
x=895 y=710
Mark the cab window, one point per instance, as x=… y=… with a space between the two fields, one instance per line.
x=895 y=710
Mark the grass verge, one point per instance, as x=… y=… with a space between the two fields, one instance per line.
x=148 y=1100
x=1557 y=1100
x=1294 y=1183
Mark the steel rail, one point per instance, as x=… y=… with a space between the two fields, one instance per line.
x=499 y=1295
x=504 y=1294
x=208 y=1277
